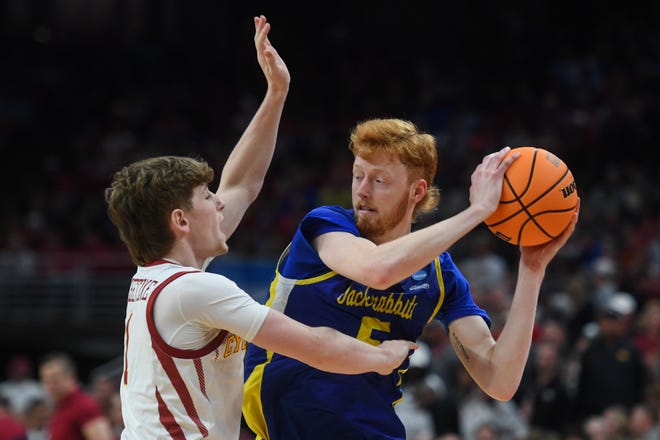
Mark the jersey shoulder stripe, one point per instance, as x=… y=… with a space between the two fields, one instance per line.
x=158 y=340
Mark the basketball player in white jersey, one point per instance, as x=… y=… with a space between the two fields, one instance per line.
x=186 y=330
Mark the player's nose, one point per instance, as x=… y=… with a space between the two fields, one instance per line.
x=219 y=203
x=362 y=189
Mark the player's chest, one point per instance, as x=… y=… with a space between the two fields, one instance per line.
x=414 y=298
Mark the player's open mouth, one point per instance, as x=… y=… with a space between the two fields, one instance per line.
x=365 y=209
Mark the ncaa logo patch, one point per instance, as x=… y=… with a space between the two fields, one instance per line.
x=420 y=275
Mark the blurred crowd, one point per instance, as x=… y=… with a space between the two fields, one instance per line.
x=71 y=114
x=49 y=400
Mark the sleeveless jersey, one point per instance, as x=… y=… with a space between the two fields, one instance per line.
x=193 y=389
x=286 y=399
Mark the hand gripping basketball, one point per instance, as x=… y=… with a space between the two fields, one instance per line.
x=539 y=197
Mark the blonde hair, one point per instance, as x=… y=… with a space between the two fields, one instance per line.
x=416 y=150
x=142 y=196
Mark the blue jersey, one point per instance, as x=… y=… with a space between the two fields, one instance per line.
x=286 y=399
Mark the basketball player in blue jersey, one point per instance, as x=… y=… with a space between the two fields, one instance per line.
x=365 y=273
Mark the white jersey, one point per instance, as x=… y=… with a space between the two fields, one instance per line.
x=184 y=343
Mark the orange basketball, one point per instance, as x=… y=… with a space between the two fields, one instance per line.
x=539 y=197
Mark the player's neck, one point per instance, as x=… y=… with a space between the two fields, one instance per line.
x=402 y=228
x=183 y=257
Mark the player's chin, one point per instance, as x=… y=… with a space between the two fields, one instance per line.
x=222 y=248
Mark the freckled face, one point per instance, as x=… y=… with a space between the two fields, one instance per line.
x=205 y=218
x=380 y=194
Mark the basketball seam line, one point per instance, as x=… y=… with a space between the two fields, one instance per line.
x=524 y=208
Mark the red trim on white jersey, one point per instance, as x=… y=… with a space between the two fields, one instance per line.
x=159 y=342
x=126 y=339
x=182 y=391
x=200 y=376
x=167 y=419
x=165 y=352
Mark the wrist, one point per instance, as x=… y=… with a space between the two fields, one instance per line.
x=532 y=269
x=477 y=213
x=277 y=92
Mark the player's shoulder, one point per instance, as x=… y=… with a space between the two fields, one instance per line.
x=329 y=212
x=202 y=280
x=445 y=258
x=447 y=263
x=327 y=219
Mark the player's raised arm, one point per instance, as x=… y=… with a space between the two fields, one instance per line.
x=243 y=174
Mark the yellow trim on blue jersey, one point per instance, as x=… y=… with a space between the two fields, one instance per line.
x=252 y=408
x=441 y=284
x=282 y=255
x=301 y=282
x=441 y=299
x=401 y=372
x=317 y=279
x=272 y=289
x=253 y=411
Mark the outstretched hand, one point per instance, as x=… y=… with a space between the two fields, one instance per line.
x=539 y=256
x=397 y=350
x=275 y=70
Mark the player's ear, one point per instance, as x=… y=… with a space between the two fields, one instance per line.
x=178 y=220
x=419 y=190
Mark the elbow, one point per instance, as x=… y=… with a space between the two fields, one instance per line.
x=253 y=190
x=245 y=190
x=379 y=277
x=503 y=395
x=503 y=392
x=375 y=271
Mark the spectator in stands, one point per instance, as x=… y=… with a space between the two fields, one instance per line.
x=611 y=368
x=21 y=386
x=103 y=388
x=643 y=423
x=11 y=428
x=646 y=336
x=76 y=415
x=489 y=431
x=594 y=428
x=546 y=402
x=114 y=415
x=36 y=417
x=615 y=420
x=504 y=418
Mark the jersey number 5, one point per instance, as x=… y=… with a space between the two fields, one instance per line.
x=367 y=327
